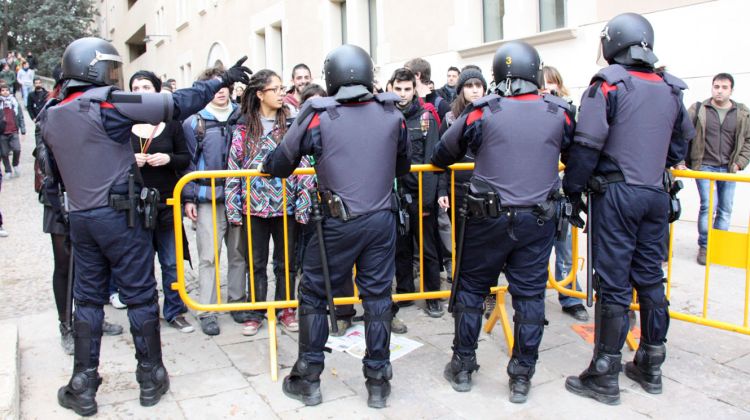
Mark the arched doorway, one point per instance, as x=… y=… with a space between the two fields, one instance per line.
x=217 y=55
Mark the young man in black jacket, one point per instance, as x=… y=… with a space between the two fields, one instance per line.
x=37 y=98
x=423 y=135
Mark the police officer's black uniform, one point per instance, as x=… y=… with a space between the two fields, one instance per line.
x=360 y=143
x=513 y=202
x=88 y=136
x=632 y=126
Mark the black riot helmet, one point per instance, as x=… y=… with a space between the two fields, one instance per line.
x=348 y=65
x=630 y=34
x=91 y=61
x=517 y=60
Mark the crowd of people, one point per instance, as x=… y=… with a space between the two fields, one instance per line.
x=231 y=120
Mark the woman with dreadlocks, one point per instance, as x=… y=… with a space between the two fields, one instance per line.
x=259 y=131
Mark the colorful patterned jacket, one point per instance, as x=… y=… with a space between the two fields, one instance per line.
x=265 y=192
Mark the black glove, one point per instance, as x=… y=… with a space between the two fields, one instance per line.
x=576 y=199
x=237 y=73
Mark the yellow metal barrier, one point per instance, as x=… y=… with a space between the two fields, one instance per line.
x=740 y=244
x=724 y=248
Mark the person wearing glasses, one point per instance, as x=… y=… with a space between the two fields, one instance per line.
x=263 y=124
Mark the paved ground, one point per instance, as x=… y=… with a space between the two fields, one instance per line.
x=707 y=374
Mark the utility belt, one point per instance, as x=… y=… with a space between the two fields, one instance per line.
x=400 y=203
x=145 y=203
x=484 y=206
x=598 y=183
x=333 y=206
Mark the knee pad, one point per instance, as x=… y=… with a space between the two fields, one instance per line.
x=528 y=328
x=378 y=316
x=87 y=335
x=313 y=332
x=654 y=314
x=467 y=315
x=611 y=328
x=147 y=340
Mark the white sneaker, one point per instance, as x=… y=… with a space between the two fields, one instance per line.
x=3 y=233
x=114 y=300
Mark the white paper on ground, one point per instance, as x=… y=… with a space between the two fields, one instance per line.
x=353 y=343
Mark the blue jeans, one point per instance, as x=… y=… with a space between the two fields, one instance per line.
x=722 y=203
x=165 y=248
x=563 y=263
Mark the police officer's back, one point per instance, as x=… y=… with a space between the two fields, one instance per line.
x=87 y=134
x=360 y=144
x=513 y=204
x=632 y=125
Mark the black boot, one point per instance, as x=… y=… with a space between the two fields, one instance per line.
x=458 y=371
x=79 y=394
x=519 y=381
x=378 y=385
x=601 y=380
x=154 y=382
x=303 y=383
x=646 y=367
x=151 y=374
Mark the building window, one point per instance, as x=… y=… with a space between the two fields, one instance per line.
x=137 y=43
x=260 y=48
x=551 y=14
x=183 y=13
x=274 y=49
x=373 y=18
x=493 y=12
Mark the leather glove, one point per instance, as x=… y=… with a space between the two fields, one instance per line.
x=237 y=73
x=576 y=199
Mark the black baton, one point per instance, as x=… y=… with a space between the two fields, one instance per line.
x=317 y=217
x=69 y=287
x=463 y=211
x=589 y=251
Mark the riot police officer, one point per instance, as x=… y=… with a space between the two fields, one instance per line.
x=632 y=126
x=88 y=136
x=360 y=144
x=517 y=136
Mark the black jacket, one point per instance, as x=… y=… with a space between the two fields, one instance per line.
x=35 y=102
x=424 y=135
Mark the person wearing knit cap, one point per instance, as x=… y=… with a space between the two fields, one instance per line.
x=470 y=86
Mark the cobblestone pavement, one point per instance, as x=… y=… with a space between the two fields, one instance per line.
x=707 y=374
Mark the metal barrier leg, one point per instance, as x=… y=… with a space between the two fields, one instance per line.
x=632 y=343
x=501 y=314
x=507 y=328
x=273 y=344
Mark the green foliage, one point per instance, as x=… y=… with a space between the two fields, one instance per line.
x=45 y=27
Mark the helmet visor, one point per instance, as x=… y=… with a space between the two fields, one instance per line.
x=114 y=75
x=600 y=61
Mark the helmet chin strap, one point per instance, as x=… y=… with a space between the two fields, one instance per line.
x=508 y=87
